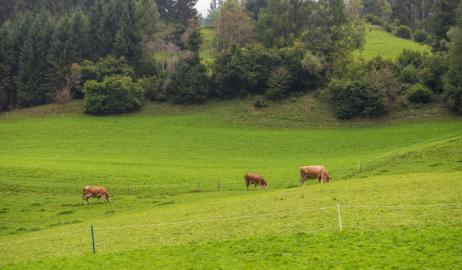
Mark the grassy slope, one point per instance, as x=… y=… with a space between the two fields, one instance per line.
x=207 y=46
x=386 y=45
x=153 y=160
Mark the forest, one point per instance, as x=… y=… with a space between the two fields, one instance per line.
x=118 y=54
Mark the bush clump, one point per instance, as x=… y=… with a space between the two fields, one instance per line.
x=403 y=31
x=112 y=96
x=421 y=36
x=279 y=84
x=357 y=97
x=104 y=67
x=189 y=83
x=153 y=87
x=409 y=75
x=419 y=93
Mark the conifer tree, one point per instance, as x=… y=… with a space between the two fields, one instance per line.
x=453 y=86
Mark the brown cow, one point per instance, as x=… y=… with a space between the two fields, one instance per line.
x=95 y=192
x=314 y=172
x=256 y=179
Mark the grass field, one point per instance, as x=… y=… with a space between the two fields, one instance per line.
x=398 y=181
x=387 y=45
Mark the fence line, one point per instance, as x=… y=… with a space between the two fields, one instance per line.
x=256 y=216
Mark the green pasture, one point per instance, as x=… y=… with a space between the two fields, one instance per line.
x=387 y=45
x=179 y=201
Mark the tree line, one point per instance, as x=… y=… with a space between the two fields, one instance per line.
x=116 y=53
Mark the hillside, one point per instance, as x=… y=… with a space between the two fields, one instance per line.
x=378 y=43
x=175 y=176
x=387 y=45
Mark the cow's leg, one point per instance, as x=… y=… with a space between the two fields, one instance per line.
x=85 y=199
x=302 y=180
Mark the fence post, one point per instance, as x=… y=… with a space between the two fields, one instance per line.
x=93 y=239
x=339 y=217
x=219 y=184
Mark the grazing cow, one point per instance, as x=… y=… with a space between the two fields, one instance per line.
x=95 y=192
x=314 y=172
x=256 y=179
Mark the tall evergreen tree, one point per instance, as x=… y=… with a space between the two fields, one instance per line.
x=34 y=80
x=453 y=85
x=443 y=18
x=127 y=38
x=4 y=68
x=63 y=50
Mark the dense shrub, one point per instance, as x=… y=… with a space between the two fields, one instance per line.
x=189 y=83
x=153 y=87
x=411 y=57
x=372 y=19
x=241 y=71
x=279 y=84
x=421 y=36
x=418 y=93
x=403 y=31
x=107 y=66
x=359 y=97
x=113 y=95
x=409 y=75
x=432 y=72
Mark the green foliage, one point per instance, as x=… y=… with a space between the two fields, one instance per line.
x=195 y=41
x=34 y=78
x=147 y=18
x=453 y=80
x=357 y=97
x=421 y=36
x=104 y=67
x=181 y=11
x=409 y=75
x=279 y=83
x=411 y=57
x=4 y=69
x=442 y=19
x=189 y=82
x=241 y=71
x=280 y=22
x=113 y=95
x=433 y=70
x=154 y=88
x=403 y=31
x=419 y=93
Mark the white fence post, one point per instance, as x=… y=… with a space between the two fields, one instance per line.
x=339 y=217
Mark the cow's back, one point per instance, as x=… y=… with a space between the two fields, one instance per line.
x=314 y=170
x=253 y=176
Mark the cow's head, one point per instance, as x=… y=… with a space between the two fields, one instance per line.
x=264 y=184
x=327 y=177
